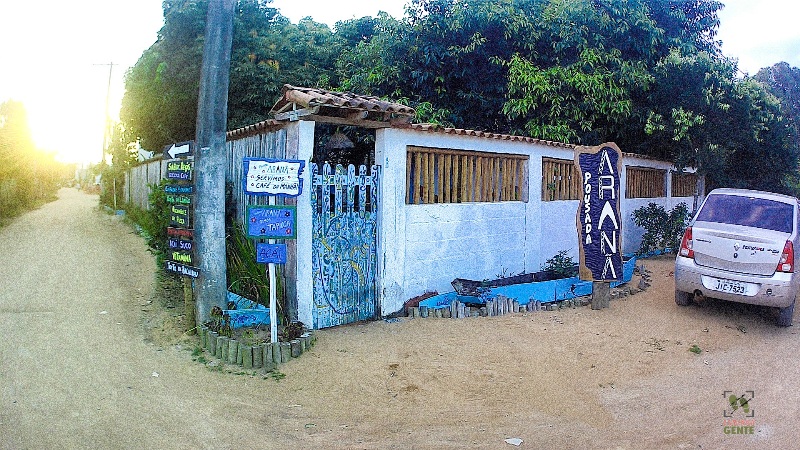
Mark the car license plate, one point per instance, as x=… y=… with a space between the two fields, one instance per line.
x=730 y=286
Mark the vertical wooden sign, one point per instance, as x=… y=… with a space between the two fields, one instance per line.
x=599 y=221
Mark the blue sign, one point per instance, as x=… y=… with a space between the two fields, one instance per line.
x=179 y=189
x=599 y=221
x=271 y=253
x=272 y=177
x=272 y=221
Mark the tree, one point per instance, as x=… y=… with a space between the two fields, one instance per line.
x=28 y=176
x=783 y=81
x=702 y=116
x=160 y=102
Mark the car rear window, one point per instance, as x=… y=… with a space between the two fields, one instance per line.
x=748 y=211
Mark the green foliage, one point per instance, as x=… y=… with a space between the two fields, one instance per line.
x=561 y=264
x=695 y=349
x=646 y=74
x=154 y=221
x=663 y=230
x=161 y=89
x=123 y=154
x=29 y=177
x=245 y=276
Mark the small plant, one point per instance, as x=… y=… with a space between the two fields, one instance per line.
x=220 y=322
x=695 y=349
x=562 y=265
x=292 y=331
x=277 y=375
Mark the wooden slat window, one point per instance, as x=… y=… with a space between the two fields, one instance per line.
x=644 y=182
x=684 y=184
x=560 y=180
x=456 y=176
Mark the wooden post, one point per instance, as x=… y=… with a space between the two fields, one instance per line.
x=601 y=293
x=188 y=307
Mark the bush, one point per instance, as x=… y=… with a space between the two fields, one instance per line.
x=663 y=230
x=562 y=265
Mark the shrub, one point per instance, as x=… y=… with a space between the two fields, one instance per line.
x=663 y=230
x=561 y=264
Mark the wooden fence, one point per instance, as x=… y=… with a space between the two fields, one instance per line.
x=139 y=179
x=560 y=180
x=684 y=184
x=455 y=176
x=645 y=182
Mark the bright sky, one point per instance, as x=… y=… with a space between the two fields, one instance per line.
x=54 y=54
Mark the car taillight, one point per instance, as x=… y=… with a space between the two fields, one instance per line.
x=786 y=263
x=686 y=244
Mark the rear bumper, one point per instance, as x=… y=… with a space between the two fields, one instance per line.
x=778 y=290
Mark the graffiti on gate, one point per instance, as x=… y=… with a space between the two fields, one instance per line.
x=344 y=250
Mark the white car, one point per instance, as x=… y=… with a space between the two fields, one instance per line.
x=740 y=247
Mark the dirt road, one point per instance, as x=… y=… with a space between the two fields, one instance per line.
x=87 y=360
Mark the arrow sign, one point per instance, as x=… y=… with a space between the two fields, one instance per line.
x=179 y=150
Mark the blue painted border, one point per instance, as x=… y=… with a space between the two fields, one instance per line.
x=541 y=291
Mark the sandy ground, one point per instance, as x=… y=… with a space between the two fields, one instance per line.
x=90 y=358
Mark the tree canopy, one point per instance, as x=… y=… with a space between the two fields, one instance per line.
x=647 y=74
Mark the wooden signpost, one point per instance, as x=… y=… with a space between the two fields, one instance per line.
x=272 y=177
x=599 y=222
x=180 y=236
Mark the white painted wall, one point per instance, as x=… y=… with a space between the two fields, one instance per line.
x=425 y=247
x=303 y=131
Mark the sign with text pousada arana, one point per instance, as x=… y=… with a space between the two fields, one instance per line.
x=598 y=220
x=272 y=177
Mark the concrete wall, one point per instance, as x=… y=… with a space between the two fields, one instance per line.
x=424 y=247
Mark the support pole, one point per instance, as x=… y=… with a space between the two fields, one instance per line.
x=212 y=116
x=273 y=296
x=601 y=294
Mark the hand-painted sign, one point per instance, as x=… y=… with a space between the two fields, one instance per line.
x=181 y=269
x=272 y=177
x=271 y=253
x=179 y=150
x=598 y=220
x=180 y=233
x=181 y=257
x=179 y=199
x=272 y=221
x=179 y=170
x=184 y=189
x=179 y=216
x=180 y=244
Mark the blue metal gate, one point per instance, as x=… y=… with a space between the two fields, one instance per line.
x=344 y=242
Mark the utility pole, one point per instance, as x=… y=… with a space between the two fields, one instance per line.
x=212 y=117
x=108 y=95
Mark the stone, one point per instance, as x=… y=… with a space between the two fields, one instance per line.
x=297 y=350
x=233 y=351
x=247 y=356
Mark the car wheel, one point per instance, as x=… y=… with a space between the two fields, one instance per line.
x=785 y=316
x=683 y=298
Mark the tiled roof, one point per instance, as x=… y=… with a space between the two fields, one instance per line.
x=257 y=128
x=433 y=128
x=313 y=97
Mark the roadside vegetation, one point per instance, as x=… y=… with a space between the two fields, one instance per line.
x=29 y=177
